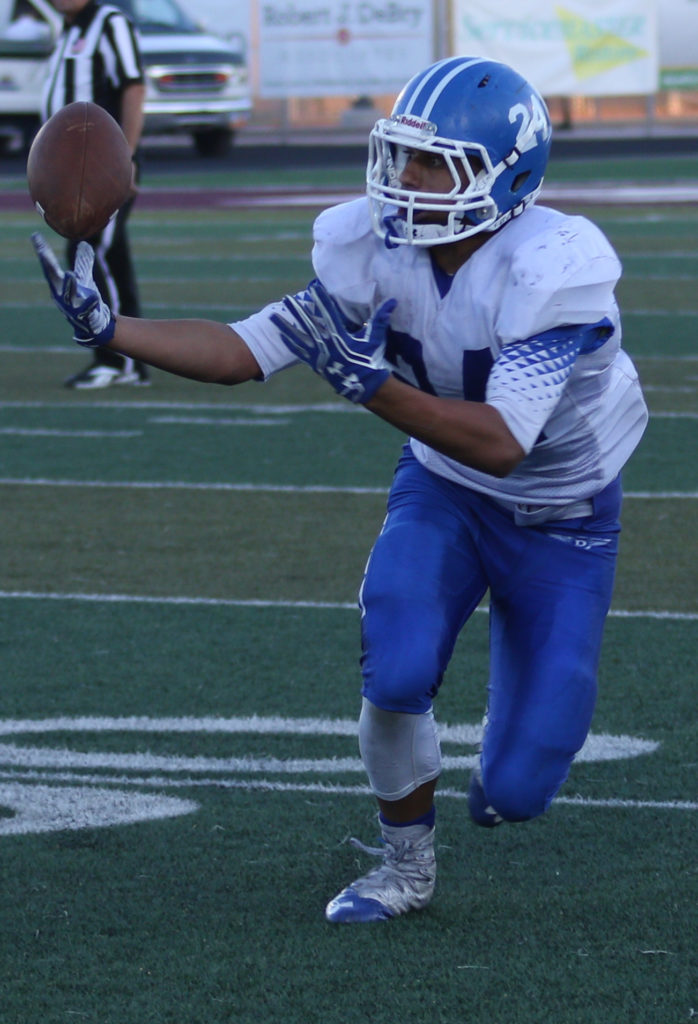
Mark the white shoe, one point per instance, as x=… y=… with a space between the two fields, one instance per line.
x=404 y=881
x=134 y=378
x=97 y=376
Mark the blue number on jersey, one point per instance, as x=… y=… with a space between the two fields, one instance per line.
x=404 y=351
x=477 y=364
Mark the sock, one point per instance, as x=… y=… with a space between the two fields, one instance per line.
x=427 y=819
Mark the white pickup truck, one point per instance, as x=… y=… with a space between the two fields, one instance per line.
x=195 y=82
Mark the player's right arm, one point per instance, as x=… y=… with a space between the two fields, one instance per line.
x=200 y=349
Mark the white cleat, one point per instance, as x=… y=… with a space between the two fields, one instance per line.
x=404 y=881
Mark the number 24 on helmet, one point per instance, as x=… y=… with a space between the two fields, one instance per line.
x=492 y=129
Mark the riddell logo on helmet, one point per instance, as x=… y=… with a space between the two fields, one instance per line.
x=407 y=121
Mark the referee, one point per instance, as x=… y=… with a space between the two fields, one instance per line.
x=97 y=59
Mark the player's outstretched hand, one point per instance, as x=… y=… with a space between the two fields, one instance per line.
x=313 y=328
x=75 y=294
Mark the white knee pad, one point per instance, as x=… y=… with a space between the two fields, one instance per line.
x=400 y=752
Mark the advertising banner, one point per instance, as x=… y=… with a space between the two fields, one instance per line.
x=571 y=48
x=341 y=47
x=678 y=44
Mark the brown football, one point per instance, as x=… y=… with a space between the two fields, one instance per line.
x=79 y=170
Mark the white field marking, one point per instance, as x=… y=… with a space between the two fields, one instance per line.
x=46 y=758
x=301 y=257
x=185 y=485
x=670 y=389
x=674 y=415
x=343 y=407
x=185 y=259
x=33 y=780
x=598 y=748
x=22 y=432
x=241 y=310
x=296 y=410
x=321 y=788
x=320 y=200
x=241 y=277
x=607 y=193
x=601 y=747
x=230 y=602
x=262 y=410
x=269 y=411
x=206 y=602
x=156 y=241
x=255 y=724
x=251 y=423
x=142 y=485
x=59 y=808
x=167 y=243
x=661 y=495
x=604 y=193
x=211 y=421
x=234 y=311
x=52 y=806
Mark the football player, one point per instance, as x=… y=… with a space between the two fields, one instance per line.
x=485 y=328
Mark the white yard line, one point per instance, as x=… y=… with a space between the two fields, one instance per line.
x=40 y=432
x=230 y=602
x=319 y=788
x=185 y=485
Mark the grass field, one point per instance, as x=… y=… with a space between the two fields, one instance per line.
x=178 y=760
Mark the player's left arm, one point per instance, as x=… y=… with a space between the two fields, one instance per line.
x=531 y=374
x=525 y=385
x=473 y=433
x=353 y=362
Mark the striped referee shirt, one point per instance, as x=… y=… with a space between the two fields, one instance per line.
x=95 y=58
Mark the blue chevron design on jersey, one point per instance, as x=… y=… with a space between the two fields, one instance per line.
x=547 y=360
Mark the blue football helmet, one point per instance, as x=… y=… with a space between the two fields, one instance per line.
x=490 y=126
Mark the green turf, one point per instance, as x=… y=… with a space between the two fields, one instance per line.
x=142 y=604
x=217 y=916
x=619 y=170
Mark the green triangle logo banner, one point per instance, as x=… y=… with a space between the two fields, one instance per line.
x=593 y=50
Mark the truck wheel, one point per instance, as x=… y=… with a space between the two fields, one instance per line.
x=214 y=142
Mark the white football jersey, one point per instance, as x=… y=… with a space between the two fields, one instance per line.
x=477 y=336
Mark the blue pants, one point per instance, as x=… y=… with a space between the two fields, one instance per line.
x=441 y=548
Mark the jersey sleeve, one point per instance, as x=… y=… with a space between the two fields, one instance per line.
x=343 y=248
x=264 y=341
x=342 y=260
x=528 y=379
x=559 y=289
